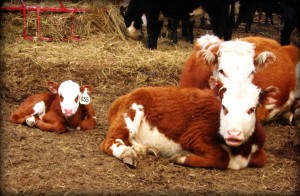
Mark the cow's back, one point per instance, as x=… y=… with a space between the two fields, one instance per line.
x=190 y=106
x=280 y=74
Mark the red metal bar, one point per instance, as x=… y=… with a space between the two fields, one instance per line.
x=38 y=33
x=45 y=9
x=38 y=10
x=24 y=23
x=61 y=4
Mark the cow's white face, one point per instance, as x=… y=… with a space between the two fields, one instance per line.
x=235 y=61
x=238 y=118
x=69 y=94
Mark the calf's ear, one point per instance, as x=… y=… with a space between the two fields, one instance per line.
x=89 y=89
x=52 y=86
x=264 y=59
x=267 y=95
x=207 y=56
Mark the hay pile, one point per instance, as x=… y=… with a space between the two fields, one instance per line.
x=104 y=17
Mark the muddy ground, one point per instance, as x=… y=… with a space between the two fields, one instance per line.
x=43 y=163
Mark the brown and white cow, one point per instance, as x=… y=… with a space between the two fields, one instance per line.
x=192 y=126
x=260 y=60
x=66 y=105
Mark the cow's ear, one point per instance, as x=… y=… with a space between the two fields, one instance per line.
x=208 y=56
x=221 y=92
x=267 y=95
x=215 y=85
x=89 y=89
x=264 y=59
x=52 y=86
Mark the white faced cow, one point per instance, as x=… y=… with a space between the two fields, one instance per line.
x=192 y=126
x=255 y=59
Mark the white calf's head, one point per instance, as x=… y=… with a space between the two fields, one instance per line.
x=69 y=94
x=235 y=61
x=237 y=117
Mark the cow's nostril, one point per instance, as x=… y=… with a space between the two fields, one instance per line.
x=68 y=110
x=234 y=133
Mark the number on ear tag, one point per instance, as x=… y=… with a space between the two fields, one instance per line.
x=85 y=98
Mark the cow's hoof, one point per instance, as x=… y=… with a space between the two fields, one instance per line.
x=297 y=117
x=153 y=151
x=178 y=159
x=288 y=117
x=130 y=161
x=30 y=121
x=129 y=157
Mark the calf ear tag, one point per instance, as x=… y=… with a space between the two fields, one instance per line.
x=85 y=98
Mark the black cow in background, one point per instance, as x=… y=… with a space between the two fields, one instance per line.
x=269 y=7
x=157 y=10
x=248 y=9
x=246 y=13
x=187 y=30
x=290 y=16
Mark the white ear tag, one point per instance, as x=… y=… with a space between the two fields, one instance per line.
x=85 y=98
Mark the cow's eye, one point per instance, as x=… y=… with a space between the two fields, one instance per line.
x=251 y=74
x=222 y=72
x=225 y=111
x=61 y=98
x=76 y=99
x=251 y=110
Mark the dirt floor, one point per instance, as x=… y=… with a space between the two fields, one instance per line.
x=42 y=163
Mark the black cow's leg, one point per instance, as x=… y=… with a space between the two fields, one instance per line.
x=216 y=27
x=153 y=31
x=202 y=22
x=151 y=40
x=286 y=33
x=174 y=37
x=184 y=29
x=190 y=27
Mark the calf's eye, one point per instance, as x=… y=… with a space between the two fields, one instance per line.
x=225 y=111
x=76 y=99
x=251 y=110
x=251 y=74
x=222 y=72
x=61 y=98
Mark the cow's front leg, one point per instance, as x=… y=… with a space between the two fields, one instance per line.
x=88 y=123
x=258 y=158
x=51 y=122
x=218 y=159
x=90 y=120
x=153 y=31
x=120 y=150
x=51 y=126
x=30 y=121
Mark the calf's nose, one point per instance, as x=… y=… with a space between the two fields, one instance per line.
x=234 y=133
x=68 y=111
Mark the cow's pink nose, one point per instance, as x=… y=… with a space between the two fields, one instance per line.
x=234 y=133
x=68 y=111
